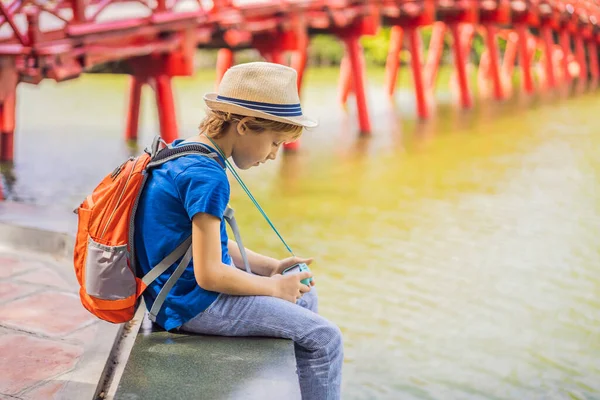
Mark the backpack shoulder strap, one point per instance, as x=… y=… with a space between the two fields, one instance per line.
x=184 y=249
x=229 y=217
x=171 y=153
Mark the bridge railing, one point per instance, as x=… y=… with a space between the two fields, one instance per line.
x=28 y=22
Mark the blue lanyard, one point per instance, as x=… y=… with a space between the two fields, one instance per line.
x=243 y=185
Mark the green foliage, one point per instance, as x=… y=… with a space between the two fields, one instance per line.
x=327 y=50
x=376 y=47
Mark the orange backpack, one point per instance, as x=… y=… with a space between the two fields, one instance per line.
x=104 y=256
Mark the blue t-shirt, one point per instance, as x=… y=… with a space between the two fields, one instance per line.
x=174 y=193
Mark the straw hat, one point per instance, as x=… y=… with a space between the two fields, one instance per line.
x=260 y=89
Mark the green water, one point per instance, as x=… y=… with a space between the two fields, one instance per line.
x=460 y=257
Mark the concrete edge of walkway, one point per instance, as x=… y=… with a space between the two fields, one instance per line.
x=28 y=239
x=37 y=229
x=120 y=354
x=51 y=232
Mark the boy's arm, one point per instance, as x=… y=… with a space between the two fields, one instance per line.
x=263 y=265
x=259 y=264
x=212 y=274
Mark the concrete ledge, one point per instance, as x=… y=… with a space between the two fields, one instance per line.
x=85 y=381
x=37 y=229
x=165 y=365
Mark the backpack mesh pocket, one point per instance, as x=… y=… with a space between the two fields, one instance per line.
x=107 y=272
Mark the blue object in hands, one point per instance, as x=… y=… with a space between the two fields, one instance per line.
x=296 y=269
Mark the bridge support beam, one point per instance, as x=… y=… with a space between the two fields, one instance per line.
x=275 y=56
x=525 y=58
x=580 y=56
x=357 y=71
x=224 y=62
x=298 y=62
x=415 y=46
x=460 y=61
x=392 y=63
x=345 y=81
x=7 y=126
x=300 y=58
x=492 y=46
x=434 y=55
x=546 y=33
x=510 y=55
x=157 y=71
x=565 y=44
x=166 y=107
x=133 y=110
x=9 y=80
x=592 y=48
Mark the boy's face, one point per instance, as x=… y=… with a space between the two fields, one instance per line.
x=252 y=149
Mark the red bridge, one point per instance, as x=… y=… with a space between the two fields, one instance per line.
x=156 y=40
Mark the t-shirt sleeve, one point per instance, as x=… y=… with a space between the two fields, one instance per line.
x=203 y=188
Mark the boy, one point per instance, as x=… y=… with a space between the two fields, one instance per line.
x=256 y=110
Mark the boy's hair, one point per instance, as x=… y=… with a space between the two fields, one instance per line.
x=216 y=123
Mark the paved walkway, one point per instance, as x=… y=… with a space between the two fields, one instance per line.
x=50 y=346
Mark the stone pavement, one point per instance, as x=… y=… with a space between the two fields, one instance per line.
x=50 y=346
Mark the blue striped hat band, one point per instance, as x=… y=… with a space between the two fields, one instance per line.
x=278 y=110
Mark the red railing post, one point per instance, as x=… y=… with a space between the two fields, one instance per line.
x=565 y=44
x=166 y=107
x=300 y=57
x=492 y=46
x=7 y=126
x=78 y=7
x=510 y=54
x=298 y=62
x=549 y=55
x=460 y=62
x=277 y=57
x=434 y=54
x=593 y=53
x=580 y=56
x=133 y=112
x=392 y=62
x=345 y=80
x=224 y=62
x=358 y=74
x=524 y=58
x=33 y=28
x=414 y=43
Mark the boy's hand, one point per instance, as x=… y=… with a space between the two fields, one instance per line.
x=289 y=287
x=288 y=262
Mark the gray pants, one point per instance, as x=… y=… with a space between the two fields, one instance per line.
x=317 y=342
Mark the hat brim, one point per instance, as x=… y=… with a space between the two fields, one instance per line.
x=211 y=101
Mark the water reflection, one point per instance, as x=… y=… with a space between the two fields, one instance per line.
x=9 y=178
x=458 y=255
